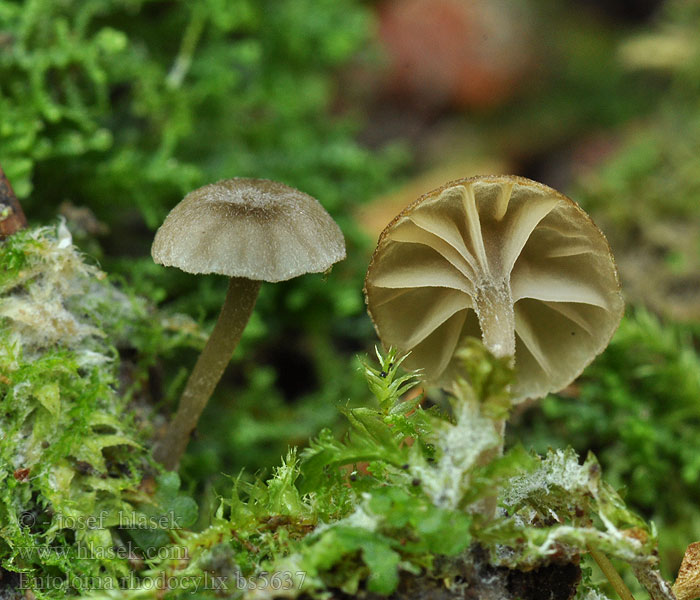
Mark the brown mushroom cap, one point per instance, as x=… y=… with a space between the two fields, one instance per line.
x=251 y=228
x=504 y=258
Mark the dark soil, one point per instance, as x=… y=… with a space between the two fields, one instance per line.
x=476 y=579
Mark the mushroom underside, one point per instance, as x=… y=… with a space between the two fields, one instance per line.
x=526 y=271
x=542 y=359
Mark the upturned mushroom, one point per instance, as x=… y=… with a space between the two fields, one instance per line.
x=251 y=230
x=503 y=258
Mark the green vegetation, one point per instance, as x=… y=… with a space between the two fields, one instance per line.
x=123 y=106
x=406 y=491
x=131 y=97
x=636 y=407
x=74 y=452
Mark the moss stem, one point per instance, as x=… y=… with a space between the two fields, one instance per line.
x=238 y=306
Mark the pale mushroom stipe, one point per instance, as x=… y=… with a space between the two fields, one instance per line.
x=503 y=258
x=251 y=230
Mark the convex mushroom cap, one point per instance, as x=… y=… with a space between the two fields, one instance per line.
x=504 y=258
x=251 y=228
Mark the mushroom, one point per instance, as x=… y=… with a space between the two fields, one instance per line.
x=251 y=230
x=504 y=258
x=687 y=584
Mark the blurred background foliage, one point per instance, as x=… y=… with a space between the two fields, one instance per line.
x=111 y=110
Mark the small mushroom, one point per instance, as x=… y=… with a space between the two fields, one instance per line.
x=251 y=230
x=504 y=258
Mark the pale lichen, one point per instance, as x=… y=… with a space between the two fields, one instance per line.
x=461 y=445
x=38 y=305
x=590 y=594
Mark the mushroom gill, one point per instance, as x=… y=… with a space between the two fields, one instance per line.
x=502 y=258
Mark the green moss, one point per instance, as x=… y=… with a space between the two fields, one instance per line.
x=72 y=454
x=636 y=408
x=313 y=527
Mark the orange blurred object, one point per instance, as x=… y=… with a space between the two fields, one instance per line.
x=464 y=53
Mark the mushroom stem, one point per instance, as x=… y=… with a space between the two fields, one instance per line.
x=494 y=308
x=610 y=573
x=238 y=306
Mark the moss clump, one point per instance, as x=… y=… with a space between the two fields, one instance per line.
x=73 y=454
x=365 y=515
